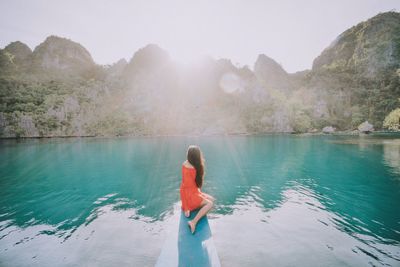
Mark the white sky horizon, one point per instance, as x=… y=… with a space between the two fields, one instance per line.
x=293 y=33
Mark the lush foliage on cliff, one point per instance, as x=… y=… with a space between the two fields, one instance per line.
x=57 y=89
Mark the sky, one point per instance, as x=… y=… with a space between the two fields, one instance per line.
x=291 y=32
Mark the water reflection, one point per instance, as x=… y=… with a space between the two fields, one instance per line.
x=111 y=236
x=285 y=200
x=64 y=184
x=391 y=155
x=299 y=225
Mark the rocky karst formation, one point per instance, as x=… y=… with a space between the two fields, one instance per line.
x=368 y=48
x=271 y=74
x=58 y=90
x=55 y=58
x=19 y=52
x=61 y=54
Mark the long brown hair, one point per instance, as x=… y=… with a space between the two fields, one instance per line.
x=195 y=157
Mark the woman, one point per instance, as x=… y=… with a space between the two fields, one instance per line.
x=190 y=190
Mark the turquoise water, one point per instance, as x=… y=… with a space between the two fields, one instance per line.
x=282 y=200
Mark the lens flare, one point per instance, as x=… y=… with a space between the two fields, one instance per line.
x=231 y=83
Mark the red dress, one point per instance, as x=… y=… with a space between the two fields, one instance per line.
x=191 y=195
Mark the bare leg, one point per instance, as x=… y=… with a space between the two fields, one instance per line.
x=209 y=197
x=206 y=206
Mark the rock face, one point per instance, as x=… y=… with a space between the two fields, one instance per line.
x=61 y=54
x=368 y=48
x=149 y=75
x=149 y=72
x=366 y=127
x=328 y=129
x=147 y=58
x=271 y=73
x=14 y=57
x=6 y=65
x=27 y=125
x=20 y=52
x=58 y=90
x=117 y=68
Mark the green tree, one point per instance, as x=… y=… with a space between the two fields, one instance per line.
x=392 y=121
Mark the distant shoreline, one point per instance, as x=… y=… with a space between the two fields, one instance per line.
x=337 y=133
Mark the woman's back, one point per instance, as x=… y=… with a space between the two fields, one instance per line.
x=192 y=180
x=188 y=177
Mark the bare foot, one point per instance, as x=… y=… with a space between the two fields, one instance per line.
x=192 y=226
x=187 y=213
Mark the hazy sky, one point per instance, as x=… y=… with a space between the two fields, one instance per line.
x=291 y=32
